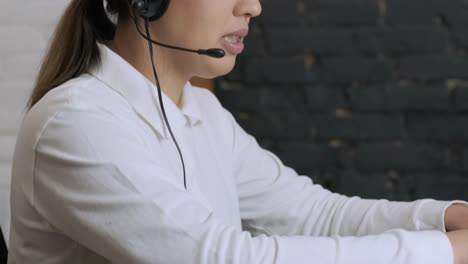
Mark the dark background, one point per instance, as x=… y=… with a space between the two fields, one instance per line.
x=366 y=97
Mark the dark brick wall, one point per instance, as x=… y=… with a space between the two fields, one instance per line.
x=367 y=97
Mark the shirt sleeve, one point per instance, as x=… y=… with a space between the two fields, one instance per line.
x=274 y=199
x=97 y=183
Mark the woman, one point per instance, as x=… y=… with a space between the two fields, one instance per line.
x=97 y=174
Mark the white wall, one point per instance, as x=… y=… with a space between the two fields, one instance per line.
x=25 y=27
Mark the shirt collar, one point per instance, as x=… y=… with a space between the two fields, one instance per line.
x=142 y=94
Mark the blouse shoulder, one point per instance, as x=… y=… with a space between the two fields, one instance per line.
x=83 y=94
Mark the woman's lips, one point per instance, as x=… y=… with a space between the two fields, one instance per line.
x=234 y=42
x=233 y=47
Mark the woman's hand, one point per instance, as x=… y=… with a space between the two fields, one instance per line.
x=456 y=217
x=459 y=241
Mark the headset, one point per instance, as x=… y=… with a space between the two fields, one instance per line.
x=152 y=10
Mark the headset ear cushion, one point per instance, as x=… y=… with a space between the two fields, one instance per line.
x=156 y=9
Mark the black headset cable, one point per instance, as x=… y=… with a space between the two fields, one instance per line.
x=150 y=44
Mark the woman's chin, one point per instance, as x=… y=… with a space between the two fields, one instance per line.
x=219 y=67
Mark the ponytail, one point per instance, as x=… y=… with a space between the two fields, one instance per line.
x=73 y=49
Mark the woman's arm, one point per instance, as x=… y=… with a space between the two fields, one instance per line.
x=96 y=183
x=459 y=242
x=275 y=200
x=456 y=217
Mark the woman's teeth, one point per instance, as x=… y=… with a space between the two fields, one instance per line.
x=232 y=39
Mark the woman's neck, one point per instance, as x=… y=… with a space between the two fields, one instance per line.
x=134 y=49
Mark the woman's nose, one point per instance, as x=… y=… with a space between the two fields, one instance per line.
x=251 y=8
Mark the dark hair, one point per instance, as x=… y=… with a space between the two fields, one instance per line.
x=73 y=49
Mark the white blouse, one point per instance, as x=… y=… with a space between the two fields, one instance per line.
x=97 y=179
